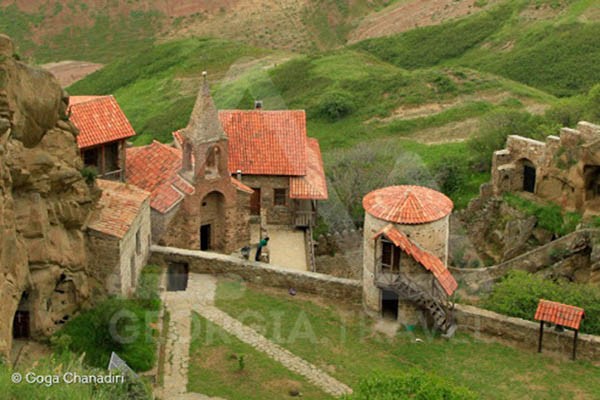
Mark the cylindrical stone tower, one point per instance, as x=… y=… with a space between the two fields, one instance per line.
x=406 y=233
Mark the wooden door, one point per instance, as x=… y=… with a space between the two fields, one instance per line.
x=255 y=202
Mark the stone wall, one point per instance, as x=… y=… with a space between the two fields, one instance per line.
x=346 y=290
x=276 y=215
x=567 y=168
x=133 y=256
x=535 y=260
x=524 y=334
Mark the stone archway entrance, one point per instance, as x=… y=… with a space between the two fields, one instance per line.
x=21 y=320
x=212 y=223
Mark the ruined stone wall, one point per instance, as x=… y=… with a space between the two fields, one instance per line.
x=276 y=215
x=563 y=165
x=44 y=202
x=524 y=334
x=346 y=290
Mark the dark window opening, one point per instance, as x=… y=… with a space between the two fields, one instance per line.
x=389 y=304
x=205 y=233
x=177 y=277
x=390 y=257
x=91 y=158
x=279 y=197
x=529 y=177
x=132 y=271
x=111 y=157
x=138 y=242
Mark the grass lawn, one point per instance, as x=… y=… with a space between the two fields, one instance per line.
x=215 y=369
x=341 y=341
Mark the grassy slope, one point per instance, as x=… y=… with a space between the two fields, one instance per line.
x=556 y=54
x=214 y=366
x=345 y=344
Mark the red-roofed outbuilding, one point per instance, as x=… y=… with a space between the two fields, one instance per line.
x=103 y=131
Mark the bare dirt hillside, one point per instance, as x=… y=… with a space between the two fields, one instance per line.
x=69 y=72
x=409 y=14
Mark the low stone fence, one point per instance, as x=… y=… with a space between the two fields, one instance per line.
x=348 y=290
x=524 y=334
x=532 y=261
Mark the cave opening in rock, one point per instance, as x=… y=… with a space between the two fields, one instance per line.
x=591 y=175
x=21 y=320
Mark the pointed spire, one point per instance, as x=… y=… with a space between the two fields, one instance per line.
x=204 y=125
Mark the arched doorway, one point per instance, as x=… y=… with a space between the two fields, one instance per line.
x=212 y=221
x=529 y=176
x=591 y=175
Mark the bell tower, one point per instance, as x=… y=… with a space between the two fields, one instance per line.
x=205 y=152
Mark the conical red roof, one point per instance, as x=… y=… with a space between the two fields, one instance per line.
x=407 y=204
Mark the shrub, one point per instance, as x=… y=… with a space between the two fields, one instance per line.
x=335 y=105
x=147 y=294
x=414 y=384
x=89 y=174
x=99 y=331
x=518 y=294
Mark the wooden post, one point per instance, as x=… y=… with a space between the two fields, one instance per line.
x=575 y=344
x=541 y=335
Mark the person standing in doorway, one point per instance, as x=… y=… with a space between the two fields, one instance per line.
x=261 y=244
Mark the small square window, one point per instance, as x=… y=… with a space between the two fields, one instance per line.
x=279 y=197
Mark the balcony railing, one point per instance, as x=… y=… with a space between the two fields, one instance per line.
x=112 y=175
x=304 y=219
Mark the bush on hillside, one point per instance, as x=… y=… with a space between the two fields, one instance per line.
x=335 y=105
x=414 y=384
x=549 y=216
x=518 y=294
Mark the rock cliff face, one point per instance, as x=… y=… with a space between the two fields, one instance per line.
x=44 y=204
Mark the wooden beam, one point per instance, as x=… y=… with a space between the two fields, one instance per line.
x=541 y=335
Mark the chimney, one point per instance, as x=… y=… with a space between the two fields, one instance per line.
x=239 y=174
x=258 y=104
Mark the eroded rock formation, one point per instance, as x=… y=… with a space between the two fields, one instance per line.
x=44 y=204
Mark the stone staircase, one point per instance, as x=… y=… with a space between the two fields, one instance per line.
x=439 y=309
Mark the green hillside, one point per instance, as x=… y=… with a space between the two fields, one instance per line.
x=556 y=52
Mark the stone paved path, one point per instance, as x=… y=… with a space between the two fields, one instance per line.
x=203 y=288
x=177 y=347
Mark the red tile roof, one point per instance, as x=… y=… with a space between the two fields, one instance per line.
x=118 y=208
x=99 y=120
x=407 y=204
x=313 y=185
x=266 y=142
x=155 y=168
x=559 y=314
x=429 y=261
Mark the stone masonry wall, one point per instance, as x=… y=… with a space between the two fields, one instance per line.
x=265 y=274
x=524 y=334
x=276 y=215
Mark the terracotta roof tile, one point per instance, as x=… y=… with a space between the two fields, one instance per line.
x=429 y=261
x=407 y=204
x=118 y=207
x=239 y=185
x=559 y=314
x=99 y=120
x=313 y=185
x=155 y=168
x=266 y=142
